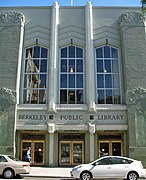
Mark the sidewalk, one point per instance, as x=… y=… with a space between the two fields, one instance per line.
x=49 y=172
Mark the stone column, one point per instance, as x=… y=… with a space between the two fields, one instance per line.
x=53 y=57
x=11 y=42
x=92 y=148
x=51 y=130
x=90 y=62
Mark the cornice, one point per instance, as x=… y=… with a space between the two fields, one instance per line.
x=128 y=18
x=12 y=16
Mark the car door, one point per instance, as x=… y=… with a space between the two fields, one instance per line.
x=102 y=168
x=2 y=163
x=120 y=167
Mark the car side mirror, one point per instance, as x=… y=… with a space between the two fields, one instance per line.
x=97 y=163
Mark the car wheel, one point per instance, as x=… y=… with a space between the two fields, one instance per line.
x=132 y=176
x=8 y=173
x=86 y=176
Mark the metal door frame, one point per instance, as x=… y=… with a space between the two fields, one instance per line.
x=71 y=143
x=32 y=150
x=110 y=142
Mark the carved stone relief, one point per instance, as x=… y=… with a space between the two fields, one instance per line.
x=8 y=94
x=131 y=17
x=13 y=16
x=136 y=115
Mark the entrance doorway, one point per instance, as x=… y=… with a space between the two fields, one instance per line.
x=71 y=148
x=71 y=152
x=37 y=151
x=110 y=148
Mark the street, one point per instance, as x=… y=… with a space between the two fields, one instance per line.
x=46 y=178
x=39 y=178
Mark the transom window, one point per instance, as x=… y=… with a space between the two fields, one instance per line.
x=107 y=75
x=71 y=75
x=35 y=75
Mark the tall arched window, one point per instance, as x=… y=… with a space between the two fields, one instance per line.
x=35 y=75
x=108 y=75
x=71 y=75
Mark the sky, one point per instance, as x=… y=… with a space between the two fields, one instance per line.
x=6 y=3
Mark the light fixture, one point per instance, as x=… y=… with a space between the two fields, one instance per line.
x=71 y=70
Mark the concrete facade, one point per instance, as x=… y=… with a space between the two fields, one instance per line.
x=89 y=124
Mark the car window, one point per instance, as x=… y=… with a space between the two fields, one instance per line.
x=3 y=159
x=105 y=161
x=118 y=160
x=14 y=159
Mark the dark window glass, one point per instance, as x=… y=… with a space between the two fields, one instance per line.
x=71 y=81
x=99 y=66
x=107 y=66
x=100 y=96
x=36 y=53
x=71 y=52
x=71 y=65
x=63 y=81
x=79 y=80
x=71 y=74
x=109 y=97
x=99 y=53
x=100 y=81
x=79 y=65
x=108 y=81
x=106 y=51
x=114 y=53
x=43 y=66
x=71 y=97
x=79 y=52
x=35 y=77
x=43 y=80
x=79 y=96
x=44 y=52
x=64 y=53
x=63 y=65
x=63 y=96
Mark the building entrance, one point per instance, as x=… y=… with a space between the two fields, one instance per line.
x=110 y=146
x=37 y=151
x=71 y=150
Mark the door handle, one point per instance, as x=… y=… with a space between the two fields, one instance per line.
x=108 y=167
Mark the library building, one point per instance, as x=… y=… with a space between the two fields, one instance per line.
x=72 y=83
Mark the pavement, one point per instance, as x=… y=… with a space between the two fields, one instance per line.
x=56 y=172
x=50 y=172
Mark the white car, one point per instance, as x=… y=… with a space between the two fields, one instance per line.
x=10 y=167
x=109 y=167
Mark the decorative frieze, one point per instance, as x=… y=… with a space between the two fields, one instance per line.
x=13 y=16
x=131 y=18
x=135 y=94
x=8 y=94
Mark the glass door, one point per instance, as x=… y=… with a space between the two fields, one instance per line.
x=71 y=152
x=36 y=150
x=104 y=149
x=77 y=153
x=65 y=151
x=110 y=148
x=116 y=148
x=25 y=146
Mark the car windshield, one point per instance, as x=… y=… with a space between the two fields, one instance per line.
x=13 y=158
